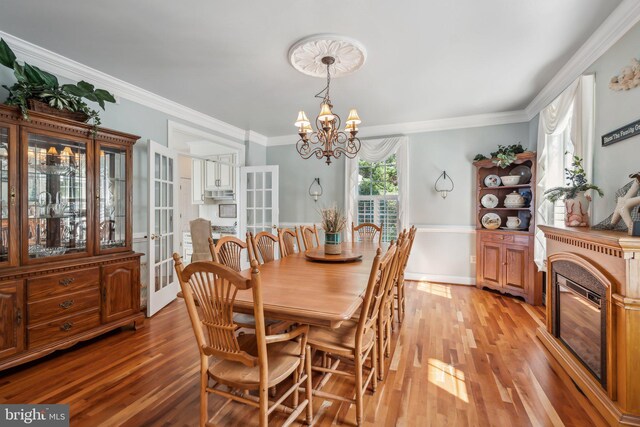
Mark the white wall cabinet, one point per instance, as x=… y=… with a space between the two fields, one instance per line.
x=197 y=181
x=220 y=174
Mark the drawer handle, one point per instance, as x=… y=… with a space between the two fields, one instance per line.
x=66 y=304
x=67 y=281
x=66 y=326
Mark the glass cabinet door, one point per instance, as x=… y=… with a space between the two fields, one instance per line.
x=8 y=196
x=113 y=197
x=57 y=187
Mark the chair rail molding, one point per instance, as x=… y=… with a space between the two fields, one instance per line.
x=68 y=68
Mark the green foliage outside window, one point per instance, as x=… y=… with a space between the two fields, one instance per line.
x=379 y=178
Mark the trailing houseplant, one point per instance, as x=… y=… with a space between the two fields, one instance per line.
x=574 y=195
x=332 y=222
x=504 y=155
x=34 y=87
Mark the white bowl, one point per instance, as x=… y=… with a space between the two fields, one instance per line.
x=510 y=180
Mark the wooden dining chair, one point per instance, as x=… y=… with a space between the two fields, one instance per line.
x=289 y=241
x=355 y=340
x=385 y=317
x=399 y=296
x=232 y=364
x=366 y=232
x=228 y=251
x=200 y=229
x=262 y=246
x=310 y=236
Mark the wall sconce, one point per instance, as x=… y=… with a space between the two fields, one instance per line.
x=315 y=189
x=444 y=184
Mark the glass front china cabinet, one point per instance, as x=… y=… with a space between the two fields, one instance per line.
x=67 y=268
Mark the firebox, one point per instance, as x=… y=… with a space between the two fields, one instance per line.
x=579 y=307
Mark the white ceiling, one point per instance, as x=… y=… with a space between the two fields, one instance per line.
x=228 y=59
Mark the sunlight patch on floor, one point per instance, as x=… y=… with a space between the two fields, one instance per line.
x=448 y=378
x=436 y=289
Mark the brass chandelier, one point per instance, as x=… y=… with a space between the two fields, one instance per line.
x=328 y=140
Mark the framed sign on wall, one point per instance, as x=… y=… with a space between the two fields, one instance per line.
x=625 y=132
x=228 y=211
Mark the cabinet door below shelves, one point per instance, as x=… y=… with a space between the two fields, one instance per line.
x=12 y=315
x=516 y=266
x=491 y=263
x=120 y=290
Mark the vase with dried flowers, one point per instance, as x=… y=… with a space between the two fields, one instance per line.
x=333 y=222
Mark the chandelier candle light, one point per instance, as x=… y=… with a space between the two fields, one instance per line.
x=328 y=140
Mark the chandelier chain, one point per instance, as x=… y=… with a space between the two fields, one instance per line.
x=325 y=98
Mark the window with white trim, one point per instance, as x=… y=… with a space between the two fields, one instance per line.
x=378 y=200
x=561 y=150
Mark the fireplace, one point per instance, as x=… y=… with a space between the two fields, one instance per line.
x=592 y=328
x=580 y=315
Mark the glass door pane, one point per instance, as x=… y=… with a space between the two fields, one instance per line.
x=112 y=189
x=4 y=195
x=57 y=196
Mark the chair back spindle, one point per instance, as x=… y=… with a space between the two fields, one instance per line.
x=289 y=241
x=228 y=251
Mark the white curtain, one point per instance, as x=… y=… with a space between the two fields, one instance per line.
x=376 y=150
x=569 y=117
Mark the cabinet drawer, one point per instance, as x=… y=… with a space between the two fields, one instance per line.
x=497 y=237
x=521 y=239
x=63 y=328
x=63 y=305
x=62 y=283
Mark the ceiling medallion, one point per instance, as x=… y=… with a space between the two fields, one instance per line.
x=306 y=55
x=327 y=140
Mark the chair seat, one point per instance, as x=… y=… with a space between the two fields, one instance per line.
x=339 y=341
x=283 y=359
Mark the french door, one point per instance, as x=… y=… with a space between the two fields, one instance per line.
x=259 y=198
x=163 y=239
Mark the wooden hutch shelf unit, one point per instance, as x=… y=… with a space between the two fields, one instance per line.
x=67 y=269
x=505 y=257
x=610 y=326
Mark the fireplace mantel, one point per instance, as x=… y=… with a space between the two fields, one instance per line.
x=613 y=257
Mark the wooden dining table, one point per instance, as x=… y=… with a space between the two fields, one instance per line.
x=315 y=293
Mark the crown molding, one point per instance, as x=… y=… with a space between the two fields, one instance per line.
x=625 y=16
x=479 y=120
x=256 y=137
x=70 y=69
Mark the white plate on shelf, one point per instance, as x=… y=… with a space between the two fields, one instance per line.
x=491 y=221
x=492 y=181
x=515 y=229
x=489 y=201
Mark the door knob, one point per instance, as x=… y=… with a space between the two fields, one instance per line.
x=154 y=236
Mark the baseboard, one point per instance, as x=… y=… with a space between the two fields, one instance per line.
x=455 y=280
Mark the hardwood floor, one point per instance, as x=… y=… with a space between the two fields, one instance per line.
x=462 y=357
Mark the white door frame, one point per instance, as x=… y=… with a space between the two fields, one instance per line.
x=275 y=212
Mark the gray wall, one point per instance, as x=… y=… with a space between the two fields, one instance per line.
x=613 y=164
x=453 y=150
x=296 y=175
x=256 y=154
x=446 y=241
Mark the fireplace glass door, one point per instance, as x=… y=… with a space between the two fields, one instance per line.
x=580 y=323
